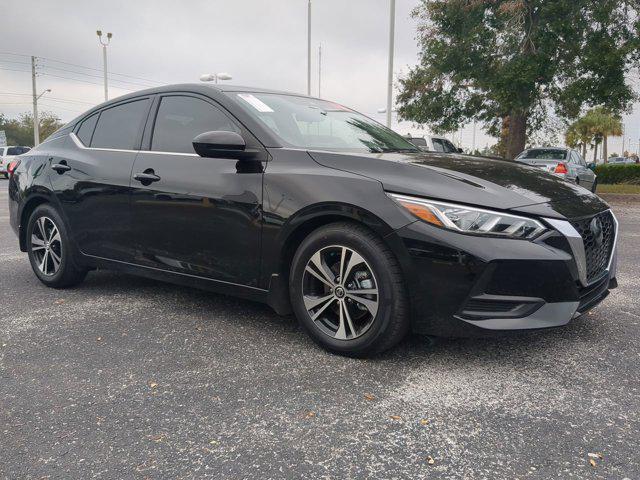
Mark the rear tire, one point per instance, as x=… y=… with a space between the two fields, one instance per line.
x=344 y=315
x=51 y=252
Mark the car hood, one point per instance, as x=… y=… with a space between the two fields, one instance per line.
x=499 y=184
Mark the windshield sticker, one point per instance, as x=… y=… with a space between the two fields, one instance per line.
x=255 y=102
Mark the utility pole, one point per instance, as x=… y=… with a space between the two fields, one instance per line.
x=319 y=69
x=36 y=122
x=104 y=59
x=473 y=148
x=392 y=22
x=309 y=48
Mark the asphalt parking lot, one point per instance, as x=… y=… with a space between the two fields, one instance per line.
x=124 y=377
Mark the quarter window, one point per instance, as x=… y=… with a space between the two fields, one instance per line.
x=180 y=119
x=119 y=127
x=85 y=132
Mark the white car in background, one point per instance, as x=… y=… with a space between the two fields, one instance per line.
x=430 y=143
x=7 y=154
x=620 y=160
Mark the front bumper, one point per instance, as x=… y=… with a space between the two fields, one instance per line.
x=465 y=285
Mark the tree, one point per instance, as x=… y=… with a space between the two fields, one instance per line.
x=19 y=130
x=595 y=127
x=512 y=64
x=579 y=136
x=611 y=126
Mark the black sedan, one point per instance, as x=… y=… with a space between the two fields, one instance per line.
x=315 y=209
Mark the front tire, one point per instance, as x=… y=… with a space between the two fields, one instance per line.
x=51 y=253
x=347 y=291
x=594 y=186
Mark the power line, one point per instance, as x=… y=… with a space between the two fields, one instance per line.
x=13 y=70
x=17 y=63
x=83 y=66
x=83 y=81
x=62 y=108
x=49 y=98
x=98 y=70
x=98 y=76
x=42 y=103
x=40 y=68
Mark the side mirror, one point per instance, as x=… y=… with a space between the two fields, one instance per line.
x=221 y=144
x=460 y=150
x=591 y=166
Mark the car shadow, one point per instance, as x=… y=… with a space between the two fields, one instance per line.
x=511 y=346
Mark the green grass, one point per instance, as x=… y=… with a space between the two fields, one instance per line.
x=619 y=188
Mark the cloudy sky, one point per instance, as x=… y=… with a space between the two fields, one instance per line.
x=259 y=42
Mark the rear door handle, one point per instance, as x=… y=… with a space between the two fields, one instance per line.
x=146 y=177
x=61 y=167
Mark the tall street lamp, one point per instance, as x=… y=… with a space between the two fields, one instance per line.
x=309 y=48
x=392 y=21
x=214 y=77
x=104 y=44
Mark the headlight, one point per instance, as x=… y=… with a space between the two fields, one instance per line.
x=465 y=219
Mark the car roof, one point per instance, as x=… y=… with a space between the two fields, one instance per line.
x=202 y=88
x=548 y=148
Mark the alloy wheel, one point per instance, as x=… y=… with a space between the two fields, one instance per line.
x=340 y=292
x=46 y=246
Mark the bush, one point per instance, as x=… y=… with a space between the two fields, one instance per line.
x=610 y=174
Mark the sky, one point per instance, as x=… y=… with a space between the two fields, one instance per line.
x=260 y=43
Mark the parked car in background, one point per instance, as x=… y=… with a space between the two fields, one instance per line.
x=7 y=154
x=562 y=162
x=620 y=160
x=314 y=209
x=429 y=143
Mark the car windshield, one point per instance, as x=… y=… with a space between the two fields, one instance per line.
x=321 y=125
x=544 y=154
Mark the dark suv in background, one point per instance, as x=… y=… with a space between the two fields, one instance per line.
x=315 y=209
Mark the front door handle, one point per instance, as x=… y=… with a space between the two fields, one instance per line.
x=61 y=167
x=147 y=177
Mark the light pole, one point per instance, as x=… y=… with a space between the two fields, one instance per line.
x=309 y=48
x=104 y=58
x=319 y=69
x=36 y=97
x=214 y=77
x=392 y=22
x=36 y=120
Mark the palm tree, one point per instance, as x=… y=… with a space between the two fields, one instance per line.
x=612 y=128
x=602 y=124
x=579 y=135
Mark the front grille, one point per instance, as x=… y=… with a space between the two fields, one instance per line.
x=597 y=253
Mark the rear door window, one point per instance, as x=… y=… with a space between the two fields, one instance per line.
x=85 y=132
x=181 y=118
x=120 y=127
